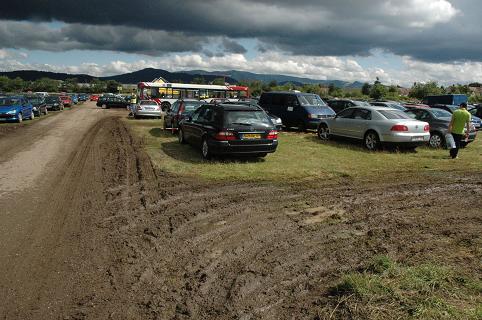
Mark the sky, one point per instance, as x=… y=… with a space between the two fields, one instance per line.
x=398 y=41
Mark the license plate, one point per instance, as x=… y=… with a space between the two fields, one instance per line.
x=149 y=108
x=417 y=138
x=251 y=136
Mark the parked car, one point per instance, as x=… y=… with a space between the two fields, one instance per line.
x=296 y=109
x=13 y=108
x=83 y=97
x=66 y=100
x=147 y=108
x=179 y=110
x=38 y=104
x=229 y=129
x=94 y=97
x=112 y=101
x=476 y=121
x=74 y=97
x=475 y=110
x=340 y=104
x=376 y=126
x=274 y=119
x=54 y=103
x=439 y=121
x=389 y=104
x=217 y=100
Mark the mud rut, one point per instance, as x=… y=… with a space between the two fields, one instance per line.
x=138 y=243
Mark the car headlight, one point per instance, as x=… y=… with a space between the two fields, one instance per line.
x=11 y=112
x=56 y=104
x=278 y=120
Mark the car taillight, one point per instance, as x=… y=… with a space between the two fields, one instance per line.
x=225 y=136
x=426 y=128
x=272 y=135
x=399 y=127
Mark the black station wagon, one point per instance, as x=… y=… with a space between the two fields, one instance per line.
x=229 y=129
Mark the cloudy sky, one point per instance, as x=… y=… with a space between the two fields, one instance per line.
x=399 y=41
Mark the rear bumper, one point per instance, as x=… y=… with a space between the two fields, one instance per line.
x=224 y=147
x=406 y=138
x=148 y=113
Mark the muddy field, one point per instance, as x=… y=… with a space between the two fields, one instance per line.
x=95 y=231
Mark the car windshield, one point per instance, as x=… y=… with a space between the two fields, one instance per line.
x=246 y=118
x=394 y=114
x=311 y=100
x=441 y=113
x=51 y=99
x=8 y=101
x=192 y=105
x=35 y=100
x=148 y=103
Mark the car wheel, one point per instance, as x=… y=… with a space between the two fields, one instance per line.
x=205 y=151
x=323 y=133
x=436 y=140
x=180 y=136
x=165 y=106
x=19 y=118
x=372 y=141
x=32 y=115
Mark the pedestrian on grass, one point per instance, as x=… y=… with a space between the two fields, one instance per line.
x=460 y=120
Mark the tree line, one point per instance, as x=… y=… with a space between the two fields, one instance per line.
x=51 y=85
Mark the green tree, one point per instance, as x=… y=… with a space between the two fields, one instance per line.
x=219 y=81
x=366 y=89
x=111 y=86
x=378 y=90
x=273 y=83
x=198 y=80
x=421 y=90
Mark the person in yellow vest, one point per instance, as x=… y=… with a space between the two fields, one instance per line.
x=460 y=121
x=132 y=105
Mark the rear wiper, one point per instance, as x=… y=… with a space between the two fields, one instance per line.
x=242 y=123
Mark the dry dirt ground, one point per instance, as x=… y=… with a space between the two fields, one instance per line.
x=89 y=229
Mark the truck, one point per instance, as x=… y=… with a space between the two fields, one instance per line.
x=450 y=99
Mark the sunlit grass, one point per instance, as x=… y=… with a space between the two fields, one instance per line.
x=301 y=156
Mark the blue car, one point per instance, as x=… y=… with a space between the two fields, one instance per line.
x=75 y=98
x=15 y=109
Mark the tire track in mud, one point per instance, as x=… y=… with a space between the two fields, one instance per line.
x=186 y=249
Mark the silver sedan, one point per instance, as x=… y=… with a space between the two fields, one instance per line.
x=375 y=126
x=147 y=108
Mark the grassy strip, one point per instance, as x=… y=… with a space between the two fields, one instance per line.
x=302 y=157
x=388 y=290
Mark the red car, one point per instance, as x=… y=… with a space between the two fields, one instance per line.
x=66 y=100
x=94 y=97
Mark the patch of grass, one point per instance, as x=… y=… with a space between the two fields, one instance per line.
x=302 y=157
x=388 y=290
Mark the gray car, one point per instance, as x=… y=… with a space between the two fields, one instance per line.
x=376 y=126
x=147 y=108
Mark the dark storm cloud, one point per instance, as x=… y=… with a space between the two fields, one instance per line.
x=23 y=35
x=429 y=30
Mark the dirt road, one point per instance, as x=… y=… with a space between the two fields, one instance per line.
x=89 y=229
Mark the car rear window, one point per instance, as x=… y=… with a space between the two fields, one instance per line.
x=394 y=114
x=246 y=118
x=192 y=105
x=441 y=113
x=311 y=100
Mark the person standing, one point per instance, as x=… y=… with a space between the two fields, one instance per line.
x=460 y=120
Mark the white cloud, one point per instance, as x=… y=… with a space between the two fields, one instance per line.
x=420 y=13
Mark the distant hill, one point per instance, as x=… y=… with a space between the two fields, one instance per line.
x=281 y=79
x=32 y=75
x=149 y=74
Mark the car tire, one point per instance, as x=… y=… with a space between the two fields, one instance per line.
x=32 y=115
x=371 y=141
x=436 y=140
x=205 y=151
x=165 y=106
x=323 y=132
x=19 y=118
x=180 y=136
